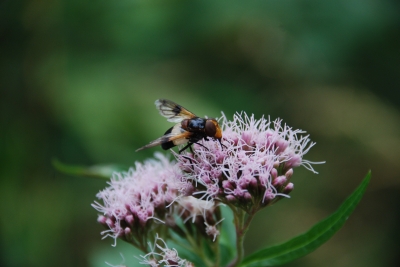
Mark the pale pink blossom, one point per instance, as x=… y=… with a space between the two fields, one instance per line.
x=253 y=166
x=138 y=197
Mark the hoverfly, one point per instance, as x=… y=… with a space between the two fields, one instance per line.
x=188 y=128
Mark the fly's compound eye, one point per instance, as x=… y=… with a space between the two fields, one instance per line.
x=210 y=129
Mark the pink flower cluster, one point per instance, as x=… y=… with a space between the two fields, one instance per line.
x=251 y=168
x=134 y=198
x=254 y=165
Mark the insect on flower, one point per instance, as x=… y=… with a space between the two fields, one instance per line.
x=189 y=128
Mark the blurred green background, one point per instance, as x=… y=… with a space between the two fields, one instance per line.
x=78 y=83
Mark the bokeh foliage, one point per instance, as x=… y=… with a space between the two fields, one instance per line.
x=78 y=82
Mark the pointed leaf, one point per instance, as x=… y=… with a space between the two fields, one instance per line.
x=227 y=238
x=95 y=171
x=311 y=240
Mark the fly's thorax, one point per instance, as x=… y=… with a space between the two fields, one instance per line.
x=194 y=125
x=184 y=124
x=205 y=127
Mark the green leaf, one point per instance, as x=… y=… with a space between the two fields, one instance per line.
x=311 y=240
x=95 y=171
x=227 y=238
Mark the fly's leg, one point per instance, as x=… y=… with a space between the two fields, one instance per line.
x=202 y=146
x=189 y=145
x=222 y=145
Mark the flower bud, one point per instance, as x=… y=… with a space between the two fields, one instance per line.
x=127 y=231
x=274 y=173
x=231 y=198
x=288 y=188
x=289 y=174
x=227 y=185
x=279 y=181
x=129 y=219
x=102 y=219
x=247 y=196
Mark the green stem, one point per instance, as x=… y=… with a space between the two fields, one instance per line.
x=195 y=247
x=217 y=254
x=240 y=236
x=242 y=222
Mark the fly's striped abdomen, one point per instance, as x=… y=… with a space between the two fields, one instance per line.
x=177 y=129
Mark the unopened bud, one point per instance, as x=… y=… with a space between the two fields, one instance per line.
x=274 y=173
x=231 y=198
x=279 y=181
x=288 y=188
x=129 y=219
x=102 y=220
x=247 y=196
x=110 y=223
x=289 y=173
x=253 y=184
x=127 y=231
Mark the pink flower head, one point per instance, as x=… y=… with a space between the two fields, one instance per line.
x=135 y=197
x=254 y=165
